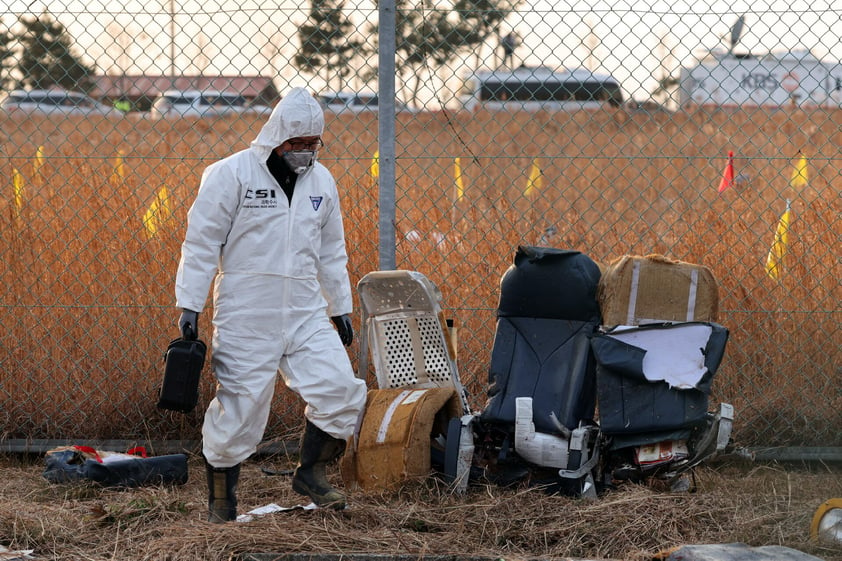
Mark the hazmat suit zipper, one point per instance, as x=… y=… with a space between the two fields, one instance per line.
x=280 y=173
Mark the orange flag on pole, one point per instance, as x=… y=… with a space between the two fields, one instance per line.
x=728 y=175
x=775 y=259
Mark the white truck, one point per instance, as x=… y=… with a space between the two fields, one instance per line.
x=793 y=79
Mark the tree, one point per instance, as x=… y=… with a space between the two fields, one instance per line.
x=325 y=46
x=6 y=53
x=429 y=37
x=426 y=40
x=47 y=58
x=482 y=19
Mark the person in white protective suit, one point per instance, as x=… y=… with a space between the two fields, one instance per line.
x=266 y=223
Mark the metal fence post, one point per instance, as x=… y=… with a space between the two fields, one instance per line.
x=386 y=130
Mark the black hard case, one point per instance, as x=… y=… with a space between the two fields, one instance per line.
x=184 y=360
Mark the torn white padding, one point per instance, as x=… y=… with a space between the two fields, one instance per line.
x=674 y=355
x=387 y=417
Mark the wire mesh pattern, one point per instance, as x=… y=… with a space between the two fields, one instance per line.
x=612 y=129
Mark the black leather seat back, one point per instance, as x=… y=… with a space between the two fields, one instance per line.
x=546 y=314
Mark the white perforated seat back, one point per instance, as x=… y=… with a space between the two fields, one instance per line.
x=405 y=332
x=409 y=351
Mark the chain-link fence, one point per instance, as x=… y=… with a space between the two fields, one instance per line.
x=708 y=134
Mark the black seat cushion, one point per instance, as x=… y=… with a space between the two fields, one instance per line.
x=548 y=360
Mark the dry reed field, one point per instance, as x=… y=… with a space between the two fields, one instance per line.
x=748 y=503
x=89 y=304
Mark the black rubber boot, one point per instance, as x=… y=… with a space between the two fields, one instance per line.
x=317 y=449
x=222 y=493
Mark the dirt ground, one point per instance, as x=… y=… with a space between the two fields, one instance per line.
x=735 y=501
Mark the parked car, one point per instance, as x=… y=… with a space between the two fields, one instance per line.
x=54 y=102
x=350 y=102
x=201 y=103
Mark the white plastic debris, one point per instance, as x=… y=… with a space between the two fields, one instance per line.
x=272 y=508
x=7 y=554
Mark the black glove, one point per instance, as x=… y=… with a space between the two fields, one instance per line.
x=343 y=326
x=188 y=324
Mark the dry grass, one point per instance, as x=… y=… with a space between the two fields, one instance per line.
x=91 y=305
x=749 y=503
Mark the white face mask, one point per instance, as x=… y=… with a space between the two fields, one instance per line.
x=300 y=161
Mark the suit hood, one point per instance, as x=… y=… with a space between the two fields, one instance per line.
x=297 y=114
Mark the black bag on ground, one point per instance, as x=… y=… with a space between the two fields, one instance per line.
x=184 y=360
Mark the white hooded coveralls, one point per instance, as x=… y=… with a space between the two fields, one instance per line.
x=280 y=272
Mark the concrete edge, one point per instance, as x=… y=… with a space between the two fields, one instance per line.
x=382 y=557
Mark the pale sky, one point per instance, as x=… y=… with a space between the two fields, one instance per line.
x=230 y=36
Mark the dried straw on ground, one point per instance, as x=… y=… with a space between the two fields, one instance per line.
x=749 y=503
